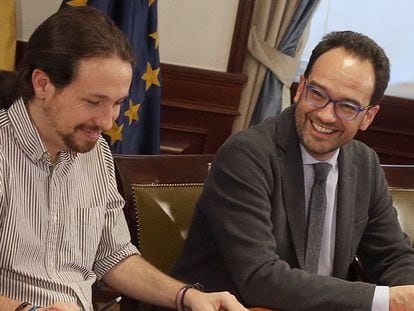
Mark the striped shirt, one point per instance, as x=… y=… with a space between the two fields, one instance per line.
x=61 y=226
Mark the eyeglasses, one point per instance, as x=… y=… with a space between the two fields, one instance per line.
x=344 y=109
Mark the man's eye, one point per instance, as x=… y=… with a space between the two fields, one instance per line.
x=345 y=106
x=93 y=102
x=317 y=94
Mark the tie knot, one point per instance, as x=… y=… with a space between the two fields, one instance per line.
x=321 y=170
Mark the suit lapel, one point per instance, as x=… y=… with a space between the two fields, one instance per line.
x=292 y=181
x=345 y=213
x=294 y=196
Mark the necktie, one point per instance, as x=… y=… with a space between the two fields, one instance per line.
x=316 y=216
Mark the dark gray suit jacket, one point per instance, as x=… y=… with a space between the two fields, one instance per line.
x=248 y=230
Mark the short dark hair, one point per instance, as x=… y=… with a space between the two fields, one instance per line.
x=61 y=41
x=363 y=47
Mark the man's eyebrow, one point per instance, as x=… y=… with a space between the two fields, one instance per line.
x=323 y=89
x=97 y=95
x=104 y=97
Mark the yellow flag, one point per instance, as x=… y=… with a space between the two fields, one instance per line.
x=7 y=34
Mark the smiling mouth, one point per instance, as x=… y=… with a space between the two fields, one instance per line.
x=321 y=129
x=94 y=135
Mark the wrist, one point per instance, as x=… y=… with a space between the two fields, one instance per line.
x=181 y=294
x=24 y=306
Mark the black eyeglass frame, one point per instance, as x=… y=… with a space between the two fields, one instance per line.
x=357 y=107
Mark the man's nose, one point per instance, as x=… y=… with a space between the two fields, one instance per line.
x=106 y=117
x=327 y=113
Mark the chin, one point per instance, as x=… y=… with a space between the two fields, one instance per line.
x=81 y=148
x=86 y=147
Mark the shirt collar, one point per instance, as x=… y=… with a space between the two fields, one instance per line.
x=308 y=159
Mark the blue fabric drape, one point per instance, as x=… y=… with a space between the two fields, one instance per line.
x=270 y=98
x=137 y=129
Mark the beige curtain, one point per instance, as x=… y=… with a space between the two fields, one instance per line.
x=270 y=21
x=7 y=34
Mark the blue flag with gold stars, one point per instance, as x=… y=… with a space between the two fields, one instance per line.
x=137 y=129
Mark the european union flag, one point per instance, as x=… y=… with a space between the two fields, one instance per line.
x=137 y=129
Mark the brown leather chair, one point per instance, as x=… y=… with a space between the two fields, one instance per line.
x=401 y=184
x=160 y=192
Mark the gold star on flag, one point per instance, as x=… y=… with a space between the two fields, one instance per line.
x=132 y=112
x=151 y=77
x=115 y=133
x=77 y=2
x=151 y=2
x=154 y=35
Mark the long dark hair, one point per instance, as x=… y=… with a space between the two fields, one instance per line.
x=57 y=46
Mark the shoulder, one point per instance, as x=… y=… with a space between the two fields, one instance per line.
x=267 y=139
x=363 y=163
x=360 y=154
x=4 y=118
x=250 y=154
x=5 y=129
x=255 y=142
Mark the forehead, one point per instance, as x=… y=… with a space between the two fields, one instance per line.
x=344 y=74
x=110 y=75
x=109 y=67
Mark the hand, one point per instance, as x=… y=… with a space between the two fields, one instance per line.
x=402 y=298
x=61 y=306
x=199 y=301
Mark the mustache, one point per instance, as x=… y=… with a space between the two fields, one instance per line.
x=86 y=127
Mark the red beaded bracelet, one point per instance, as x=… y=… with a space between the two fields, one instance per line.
x=179 y=299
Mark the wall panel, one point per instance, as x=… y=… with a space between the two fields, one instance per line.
x=198 y=108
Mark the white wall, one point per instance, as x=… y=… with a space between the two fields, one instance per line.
x=194 y=33
x=389 y=23
x=30 y=13
x=198 y=33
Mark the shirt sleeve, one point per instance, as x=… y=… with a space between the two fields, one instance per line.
x=381 y=300
x=115 y=244
x=1 y=180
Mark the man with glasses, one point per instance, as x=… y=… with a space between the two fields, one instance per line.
x=251 y=231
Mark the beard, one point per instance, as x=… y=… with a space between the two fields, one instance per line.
x=72 y=143
x=316 y=147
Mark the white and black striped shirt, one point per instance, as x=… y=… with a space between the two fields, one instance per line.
x=61 y=226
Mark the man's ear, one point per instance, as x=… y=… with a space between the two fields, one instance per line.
x=369 y=117
x=299 y=90
x=41 y=83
